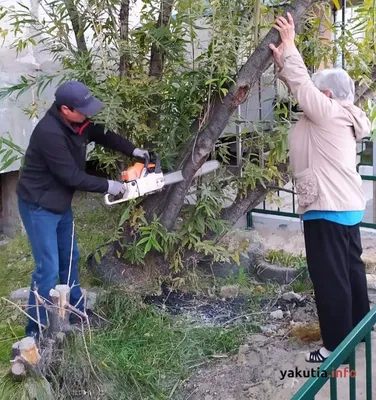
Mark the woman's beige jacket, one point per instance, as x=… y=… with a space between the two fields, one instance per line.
x=322 y=144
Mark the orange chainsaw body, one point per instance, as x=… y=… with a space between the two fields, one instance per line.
x=134 y=172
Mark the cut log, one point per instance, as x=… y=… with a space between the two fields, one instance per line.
x=18 y=371
x=53 y=314
x=29 y=351
x=64 y=291
x=59 y=314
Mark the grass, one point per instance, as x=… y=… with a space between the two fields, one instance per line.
x=140 y=354
x=150 y=352
x=285 y=259
x=239 y=278
x=16 y=265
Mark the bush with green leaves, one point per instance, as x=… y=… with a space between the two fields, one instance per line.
x=172 y=84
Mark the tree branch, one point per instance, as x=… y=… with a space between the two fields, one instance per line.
x=222 y=111
x=124 y=31
x=78 y=29
x=254 y=196
x=244 y=204
x=157 y=54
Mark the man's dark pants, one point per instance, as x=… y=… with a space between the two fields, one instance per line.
x=338 y=275
x=54 y=249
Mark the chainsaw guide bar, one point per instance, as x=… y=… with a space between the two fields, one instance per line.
x=146 y=178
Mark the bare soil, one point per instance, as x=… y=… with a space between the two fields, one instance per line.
x=255 y=372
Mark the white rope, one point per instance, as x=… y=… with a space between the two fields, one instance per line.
x=71 y=254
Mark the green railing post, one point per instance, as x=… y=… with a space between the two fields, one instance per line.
x=352 y=381
x=333 y=388
x=369 y=367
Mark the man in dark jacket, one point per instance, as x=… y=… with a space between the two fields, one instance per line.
x=54 y=168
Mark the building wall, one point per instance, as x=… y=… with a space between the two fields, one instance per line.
x=15 y=124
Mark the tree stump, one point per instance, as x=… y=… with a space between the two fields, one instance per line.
x=34 y=357
x=28 y=351
x=58 y=314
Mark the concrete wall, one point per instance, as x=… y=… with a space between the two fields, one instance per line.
x=15 y=124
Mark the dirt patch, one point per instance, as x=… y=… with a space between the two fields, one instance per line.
x=198 y=309
x=255 y=372
x=252 y=374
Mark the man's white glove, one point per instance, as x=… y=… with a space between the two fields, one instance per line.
x=140 y=153
x=115 y=188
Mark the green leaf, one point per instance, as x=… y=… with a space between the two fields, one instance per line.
x=7 y=154
x=142 y=241
x=125 y=216
x=148 y=246
x=8 y=163
x=97 y=257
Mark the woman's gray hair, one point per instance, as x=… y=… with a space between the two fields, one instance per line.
x=337 y=81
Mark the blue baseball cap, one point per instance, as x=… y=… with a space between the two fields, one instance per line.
x=76 y=95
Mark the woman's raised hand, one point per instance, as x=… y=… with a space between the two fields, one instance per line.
x=286 y=29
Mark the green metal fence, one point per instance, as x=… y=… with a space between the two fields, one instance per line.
x=345 y=351
x=293 y=214
x=365 y=159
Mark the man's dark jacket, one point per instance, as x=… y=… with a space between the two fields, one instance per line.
x=55 y=161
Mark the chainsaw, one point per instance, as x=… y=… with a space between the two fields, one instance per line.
x=146 y=178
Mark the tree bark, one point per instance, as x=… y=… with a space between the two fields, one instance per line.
x=242 y=205
x=124 y=32
x=157 y=54
x=78 y=29
x=222 y=111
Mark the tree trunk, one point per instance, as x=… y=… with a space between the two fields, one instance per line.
x=157 y=56
x=221 y=113
x=77 y=25
x=124 y=31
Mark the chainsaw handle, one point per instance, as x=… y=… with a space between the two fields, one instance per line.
x=146 y=165
x=157 y=161
x=116 y=199
x=153 y=159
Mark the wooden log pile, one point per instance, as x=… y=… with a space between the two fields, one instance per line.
x=31 y=357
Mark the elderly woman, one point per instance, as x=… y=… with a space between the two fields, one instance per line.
x=322 y=148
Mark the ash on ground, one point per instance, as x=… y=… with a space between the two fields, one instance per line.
x=197 y=308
